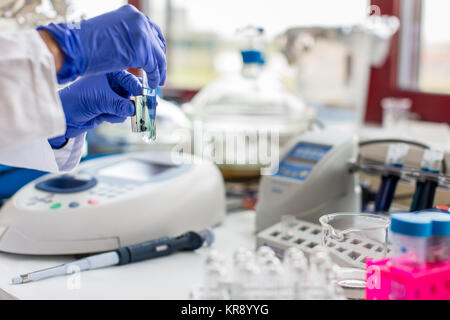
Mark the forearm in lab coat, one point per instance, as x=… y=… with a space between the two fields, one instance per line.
x=39 y=155
x=30 y=108
x=69 y=156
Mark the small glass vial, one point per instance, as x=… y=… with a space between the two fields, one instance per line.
x=438 y=245
x=215 y=273
x=410 y=236
x=263 y=254
x=144 y=120
x=288 y=224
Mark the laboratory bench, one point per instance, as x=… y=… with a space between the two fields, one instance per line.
x=166 y=278
x=174 y=276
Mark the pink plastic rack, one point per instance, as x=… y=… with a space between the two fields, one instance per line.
x=385 y=281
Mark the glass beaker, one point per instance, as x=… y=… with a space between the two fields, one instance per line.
x=351 y=238
x=355 y=236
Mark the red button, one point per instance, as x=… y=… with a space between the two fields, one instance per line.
x=92 y=201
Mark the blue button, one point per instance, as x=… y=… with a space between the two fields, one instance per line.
x=73 y=204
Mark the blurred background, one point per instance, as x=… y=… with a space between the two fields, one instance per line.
x=200 y=32
x=201 y=35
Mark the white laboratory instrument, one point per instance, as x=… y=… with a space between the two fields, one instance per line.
x=312 y=179
x=112 y=202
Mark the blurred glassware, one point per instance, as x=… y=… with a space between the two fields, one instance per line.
x=351 y=238
x=396 y=113
x=27 y=13
x=332 y=63
x=342 y=231
x=243 y=105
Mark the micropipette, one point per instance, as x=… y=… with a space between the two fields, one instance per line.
x=142 y=251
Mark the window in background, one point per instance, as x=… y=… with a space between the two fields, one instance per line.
x=434 y=64
x=419 y=61
x=199 y=32
x=424 y=53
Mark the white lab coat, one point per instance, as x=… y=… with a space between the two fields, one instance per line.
x=30 y=109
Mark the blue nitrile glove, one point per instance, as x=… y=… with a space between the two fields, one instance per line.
x=117 y=40
x=91 y=100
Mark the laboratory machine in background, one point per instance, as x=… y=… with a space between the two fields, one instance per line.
x=252 y=106
x=111 y=202
x=332 y=63
x=312 y=179
x=320 y=172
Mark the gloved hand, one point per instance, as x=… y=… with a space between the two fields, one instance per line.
x=117 y=40
x=91 y=100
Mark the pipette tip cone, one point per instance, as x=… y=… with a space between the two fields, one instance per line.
x=208 y=236
x=17 y=280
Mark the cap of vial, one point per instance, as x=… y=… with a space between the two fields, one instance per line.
x=431 y=160
x=411 y=224
x=396 y=153
x=264 y=252
x=440 y=222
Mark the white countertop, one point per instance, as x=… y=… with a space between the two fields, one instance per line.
x=170 y=277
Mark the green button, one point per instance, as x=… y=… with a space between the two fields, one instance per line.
x=55 y=206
